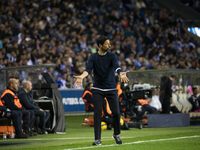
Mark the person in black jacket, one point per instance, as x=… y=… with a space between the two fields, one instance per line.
x=87 y=98
x=166 y=93
x=27 y=101
x=16 y=117
x=11 y=101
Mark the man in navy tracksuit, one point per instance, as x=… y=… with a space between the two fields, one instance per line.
x=28 y=102
x=104 y=65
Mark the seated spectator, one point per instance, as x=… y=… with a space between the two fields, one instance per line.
x=16 y=117
x=62 y=81
x=73 y=86
x=194 y=100
x=11 y=101
x=27 y=101
x=87 y=97
x=175 y=105
x=155 y=102
x=146 y=107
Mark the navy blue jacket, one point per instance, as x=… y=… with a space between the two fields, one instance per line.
x=2 y=108
x=195 y=102
x=104 y=68
x=26 y=100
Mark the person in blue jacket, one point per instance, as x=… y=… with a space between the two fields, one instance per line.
x=195 y=101
x=104 y=65
x=28 y=102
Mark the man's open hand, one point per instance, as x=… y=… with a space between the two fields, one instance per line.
x=123 y=77
x=79 y=81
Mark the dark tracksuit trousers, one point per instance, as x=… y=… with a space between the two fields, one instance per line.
x=27 y=117
x=16 y=117
x=44 y=116
x=98 y=100
x=148 y=108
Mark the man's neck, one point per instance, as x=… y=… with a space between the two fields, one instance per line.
x=101 y=52
x=25 y=90
x=11 y=89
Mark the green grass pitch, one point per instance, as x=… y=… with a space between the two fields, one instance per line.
x=81 y=137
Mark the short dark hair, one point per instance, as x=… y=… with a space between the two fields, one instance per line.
x=87 y=86
x=173 y=76
x=64 y=72
x=194 y=88
x=101 y=39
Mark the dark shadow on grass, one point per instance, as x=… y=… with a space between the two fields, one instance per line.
x=12 y=144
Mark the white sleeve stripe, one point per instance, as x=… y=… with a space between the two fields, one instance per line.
x=117 y=69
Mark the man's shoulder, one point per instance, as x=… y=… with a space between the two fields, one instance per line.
x=191 y=97
x=21 y=93
x=110 y=53
x=164 y=77
x=94 y=55
x=7 y=92
x=20 y=90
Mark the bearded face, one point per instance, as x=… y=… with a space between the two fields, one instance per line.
x=106 y=46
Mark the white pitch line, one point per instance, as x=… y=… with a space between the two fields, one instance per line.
x=137 y=142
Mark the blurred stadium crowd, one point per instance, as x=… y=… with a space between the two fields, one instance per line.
x=195 y=4
x=64 y=32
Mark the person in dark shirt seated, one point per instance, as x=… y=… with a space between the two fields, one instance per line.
x=194 y=100
x=28 y=102
x=87 y=98
x=11 y=101
x=16 y=117
x=107 y=117
x=146 y=107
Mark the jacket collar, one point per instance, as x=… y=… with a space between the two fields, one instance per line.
x=12 y=90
